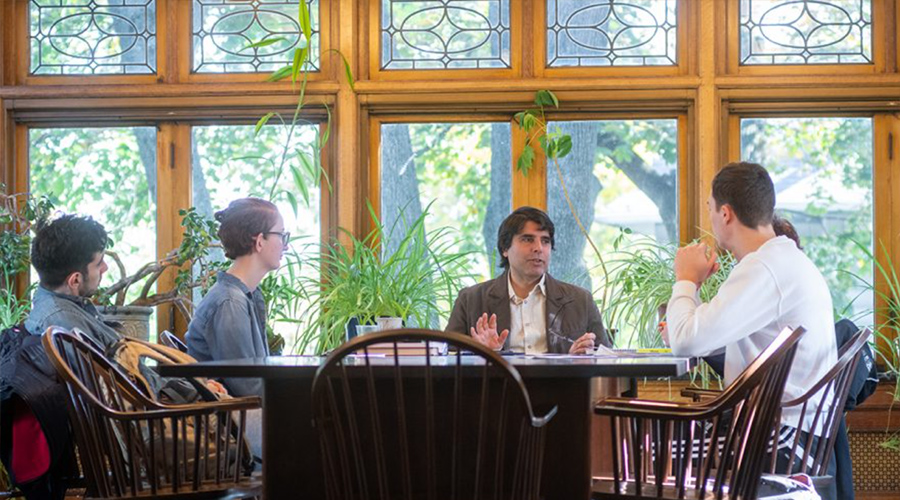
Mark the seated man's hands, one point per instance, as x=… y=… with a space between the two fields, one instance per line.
x=695 y=263
x=583 y=344
x=485 y=332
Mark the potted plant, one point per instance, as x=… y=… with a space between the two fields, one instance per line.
x=191 y=261
x=402 y=272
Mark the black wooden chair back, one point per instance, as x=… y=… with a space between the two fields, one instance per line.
x=457 y=426
x=169 y=339
x=131 y=446
x=691 y=450
x=811 y=456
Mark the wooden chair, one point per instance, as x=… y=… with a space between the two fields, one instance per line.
x=132 y=447
x=712 y=449
x=169 y=339
x=461 y=426
x=812 y=456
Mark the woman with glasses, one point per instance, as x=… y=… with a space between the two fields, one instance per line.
x=230 y=322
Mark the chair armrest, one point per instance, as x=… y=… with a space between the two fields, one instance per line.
x=661 y=410
x=697 y=394
x=542 y=421
x=171 y=411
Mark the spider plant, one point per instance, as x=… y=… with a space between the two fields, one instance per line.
x=400 y=271
x=640 y=278
x=886 y=312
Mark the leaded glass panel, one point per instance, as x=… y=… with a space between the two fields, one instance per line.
x=224 y=29
x=92 y=37
x=806 y=32
x=611 y=33
x=445 y=34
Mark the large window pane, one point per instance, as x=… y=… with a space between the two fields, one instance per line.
x=806 y=32
x=444 y=34
x=230 y=163
x=822 y=169
x=92 y=37
x=223 y=29
x=621 y=177
x=462 y=170
x=611 y=33
x=109 y=174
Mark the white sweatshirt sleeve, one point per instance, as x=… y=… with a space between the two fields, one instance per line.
x=748 y=301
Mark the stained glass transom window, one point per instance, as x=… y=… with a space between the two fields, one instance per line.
x=611 y=33
x=223 y=31
x=806 y=32
x=92 y=37
x=445 y=34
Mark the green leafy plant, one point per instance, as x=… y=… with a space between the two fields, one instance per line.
x=19 y=212
x=887 y=314
x=307 y=171
x=404 y=272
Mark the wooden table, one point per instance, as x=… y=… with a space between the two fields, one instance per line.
x=291 y=460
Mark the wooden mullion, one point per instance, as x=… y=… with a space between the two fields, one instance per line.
x=19 y=182
x=530 y=190
x=174 y=192
x=347 y=127
x=371 y=185
x=886 y=210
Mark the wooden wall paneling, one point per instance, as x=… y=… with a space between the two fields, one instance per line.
x=174 y=191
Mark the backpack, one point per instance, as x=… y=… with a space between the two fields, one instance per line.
x=133 y=356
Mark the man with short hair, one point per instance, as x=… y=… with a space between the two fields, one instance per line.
x=68 y=254
x=525 y=309
x=774 y=285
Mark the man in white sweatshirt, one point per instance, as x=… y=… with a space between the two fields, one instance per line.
x=774 y=285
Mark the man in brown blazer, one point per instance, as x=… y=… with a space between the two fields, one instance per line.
x=525 y=309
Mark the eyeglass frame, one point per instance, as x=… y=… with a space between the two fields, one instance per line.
x=284 y=235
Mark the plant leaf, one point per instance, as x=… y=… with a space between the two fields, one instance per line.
x=546 y=98
x=347 y=72
x=265 y=42
x=564 y=146
x=526 y=160
x=262 y=122
x=280 y=74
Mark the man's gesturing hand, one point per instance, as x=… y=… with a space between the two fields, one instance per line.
x=485 y=332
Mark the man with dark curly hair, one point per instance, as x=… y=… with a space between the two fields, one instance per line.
x=68 y=254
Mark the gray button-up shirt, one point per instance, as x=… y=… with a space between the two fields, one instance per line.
x=49 y=308
x=230 y=324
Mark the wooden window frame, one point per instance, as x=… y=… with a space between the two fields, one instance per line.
x=370 y=12
x=688 y=22
x=883 y=26
x=173 y=162
x=885 y=161
x=184 y=52
x=532 y=189
x=23 y=44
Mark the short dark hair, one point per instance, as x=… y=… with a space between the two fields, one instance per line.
x=748 y=188
x=64 y=246
x=242 y=222
x=513 y=224
x=783 y=227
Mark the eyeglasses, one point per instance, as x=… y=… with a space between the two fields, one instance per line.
x=285 y=236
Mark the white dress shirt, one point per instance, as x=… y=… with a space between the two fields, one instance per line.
x=776 y=286
x=528 y=320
